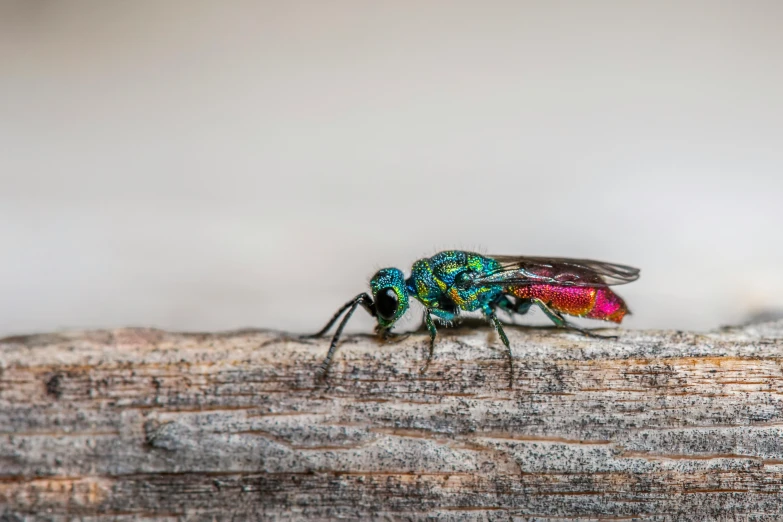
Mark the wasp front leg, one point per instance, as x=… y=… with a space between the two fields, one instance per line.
x=387 y=336
x=430 y=323
x=433 y=333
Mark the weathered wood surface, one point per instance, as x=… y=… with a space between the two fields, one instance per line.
x=142 y=424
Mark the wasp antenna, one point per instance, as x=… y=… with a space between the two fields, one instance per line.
x=362 y=299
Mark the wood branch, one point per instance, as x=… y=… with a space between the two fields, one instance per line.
x=142 y=424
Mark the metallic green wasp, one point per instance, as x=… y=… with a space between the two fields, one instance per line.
x=455 y=281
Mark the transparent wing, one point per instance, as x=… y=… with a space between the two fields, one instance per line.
x=562 y=271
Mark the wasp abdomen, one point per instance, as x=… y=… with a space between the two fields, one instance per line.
x=592 y=302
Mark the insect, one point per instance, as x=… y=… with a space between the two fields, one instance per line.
x=455 y=281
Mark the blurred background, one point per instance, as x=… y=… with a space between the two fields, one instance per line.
x=197 y=165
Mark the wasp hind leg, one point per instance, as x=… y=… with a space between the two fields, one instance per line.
x=557 y=318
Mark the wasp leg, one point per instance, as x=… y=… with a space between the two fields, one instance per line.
x=433 y=333
x=490 y=313
x=523 y=306
x=505 y=304
x=388 y=336
x=519 y=306
x=441 y=314
x=557 y=318
x=361 y=299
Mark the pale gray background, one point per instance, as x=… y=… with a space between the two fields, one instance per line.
x=212 y=165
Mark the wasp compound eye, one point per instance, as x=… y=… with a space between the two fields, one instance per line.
x=386 y=302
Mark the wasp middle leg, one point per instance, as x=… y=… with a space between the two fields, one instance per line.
x=493 y=318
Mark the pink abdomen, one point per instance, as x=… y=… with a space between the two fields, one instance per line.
x=593 y=302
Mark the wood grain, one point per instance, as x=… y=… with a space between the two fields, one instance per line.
x=139 y=424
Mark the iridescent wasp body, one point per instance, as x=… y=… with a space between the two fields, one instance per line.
x=455 y=281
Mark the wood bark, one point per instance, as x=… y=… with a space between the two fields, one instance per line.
x=139 y=424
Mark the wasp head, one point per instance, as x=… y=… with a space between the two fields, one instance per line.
x=390 y=295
